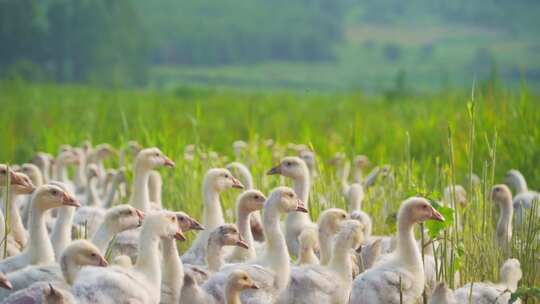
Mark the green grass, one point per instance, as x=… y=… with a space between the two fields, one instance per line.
x=427 y=140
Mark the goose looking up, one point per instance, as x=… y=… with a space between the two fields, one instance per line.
x=147 y=160
x=501 y=195
x=271 y=272
x=39 y=250
x=484 y=293
x=215 y=181
x=296 y=169
x=17 y=235
x=381 y=283
x=112 y=283
x=78 y=254
x=242 y=173
x=309 y=246
x=524 y=197
x=328 y=225
x=331 y=284
x=171 y=265
x=247 y=203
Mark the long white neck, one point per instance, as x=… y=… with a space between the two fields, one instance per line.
x=69 y=268
x=407 y=249
x=276 y=248
x=244 y=228
x=341 y=260
x=103 y=237
x=148 y=261
x=61 y=172
x=504 y=225
x=17 y=228
x=521 y=184
x=61 y=233
x=154 y=187
x=139 y=197
x=92 y=196
x=307 y=256
x=343 y=174
x=325 y=240
x=173 y=271
x=358 y=174
x=80 y=177
x=232 y=294
x=110 y=195
x=301 y=188
x=355 y=197
x=39 y=247
x=212 y=214
x=45 y=171
x=214 y=258
x=244 y=175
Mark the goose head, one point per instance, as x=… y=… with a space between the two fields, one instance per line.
x=515 y=179
x=92 y=172
x=227 y=235
x=83 y=253
x=4 y=282
x=309 y=241
x=221 y=179
x=42 y=160
x=338 y=159
x=240 y=280
x=239 y=147
x=309 y=157
x=109 y=175
x=459 y=192
x=33 y=172
x=511 y=273
x=187 y=223
x=285 y=200
x=20 y=182
x=86 y=146
x=123 y=217
x=292 y=167
x=133 y=147
x=152 y=158
x=67 y=157
x=251 y=200
x=330 y=220
x=361 y=161
x=103 y=151
x=442 y=294
x=417 y=210
x=351 y=232
x=52 y=196
x=164 y=224
x=501 y=195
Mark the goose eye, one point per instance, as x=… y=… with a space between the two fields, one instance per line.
x=173 y=218
x=2 y=171
x=288 y=163
x=245 y=278
x=93 y=255
x=182 y=219
x=156 y=155
x=256 y=197
x=54 y=192
x=226 y=175
x=343 y=216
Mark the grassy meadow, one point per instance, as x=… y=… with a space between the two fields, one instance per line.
x=430 y=141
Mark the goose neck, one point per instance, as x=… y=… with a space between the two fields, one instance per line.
x=92 y=197
x=406 y=249
x=148 y=261
x=69 y=269
x=325 y=241
x=173 y=273
x=214 y=258
x=102 y=237
x=61 y=234
x=232 y=294
x=344 y=177
x=17 y=227
x=341 y=260
x=212 y=214
x=39 y=246
x=140 y=198
x=244 y=228
x=61 y=172
x=277 y=252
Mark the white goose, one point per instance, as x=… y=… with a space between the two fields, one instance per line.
x=270 y=272
x=215 y=181
x=401 y=270
x=501 y=195
x=39 y=250
x=141 y=283
x=327 y=284
x=524 y=197
x=296 y=169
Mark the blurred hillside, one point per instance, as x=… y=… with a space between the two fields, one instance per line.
x=375 y=45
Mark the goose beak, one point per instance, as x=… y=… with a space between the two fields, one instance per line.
x=168 y=163
x=103 y=262
x=301 y=207
x=241 y=243
x=435 y=215
x=254 y=286
x=179 y=235
x=237 y=184
x=4 y=283
x=140 y=214
x=273 y=171
x=19 y=180
x=69 y=200
x=194 y=225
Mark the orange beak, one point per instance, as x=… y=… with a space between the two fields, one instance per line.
x=273 y=171
x=103 y=262
x=237 y=184
x=140 y=214
x=179 y=235
x=435 y=215
x=301 y=207
x=168 y=163
x=69 y=200
x=241 y=243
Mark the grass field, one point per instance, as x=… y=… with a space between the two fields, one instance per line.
x=430 y=141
